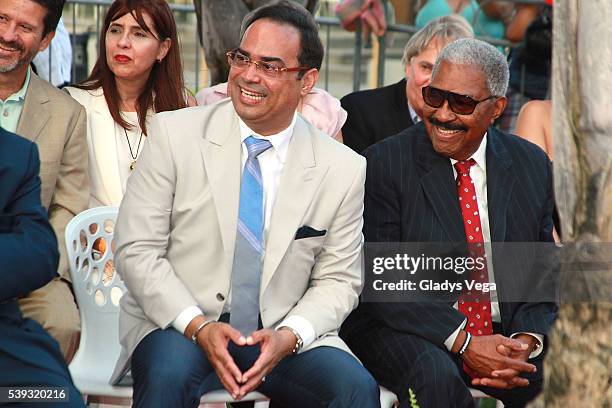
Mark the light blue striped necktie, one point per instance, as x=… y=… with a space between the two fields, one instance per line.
x=248 y=253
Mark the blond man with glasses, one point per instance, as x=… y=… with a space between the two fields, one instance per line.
x=376 y=114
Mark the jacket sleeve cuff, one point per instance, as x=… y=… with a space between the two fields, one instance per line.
x=450 y=340
x=539 y=343
x=182 y=320
x=302 y=326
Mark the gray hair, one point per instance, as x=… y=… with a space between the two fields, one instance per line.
x=470 y=51
x=446 y=28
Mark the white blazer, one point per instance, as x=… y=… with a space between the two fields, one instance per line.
x=176 y=228
x=103 y=160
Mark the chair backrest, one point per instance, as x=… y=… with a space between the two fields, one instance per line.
x=97 y=287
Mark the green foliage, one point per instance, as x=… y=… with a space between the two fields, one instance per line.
x=413 y=399
x=488 y=403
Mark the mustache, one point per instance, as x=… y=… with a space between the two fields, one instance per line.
x=12 y=44
x=446 y=125
x=252 y=87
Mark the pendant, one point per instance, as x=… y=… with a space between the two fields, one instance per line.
x=133 y=165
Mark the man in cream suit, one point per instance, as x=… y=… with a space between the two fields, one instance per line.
x=241 y=282
x=45 y=115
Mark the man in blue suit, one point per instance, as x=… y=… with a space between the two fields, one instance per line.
x=29 y=357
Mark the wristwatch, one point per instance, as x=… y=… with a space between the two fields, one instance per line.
x=299 y=343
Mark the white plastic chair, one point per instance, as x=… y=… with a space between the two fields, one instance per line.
x=98 y=301
x=477 y=394
x=97 y=292
x=387 y=398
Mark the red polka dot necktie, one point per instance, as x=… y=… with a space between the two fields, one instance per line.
x=473 y=303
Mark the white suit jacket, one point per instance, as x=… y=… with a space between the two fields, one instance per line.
x=103 y=161
x=176 y=228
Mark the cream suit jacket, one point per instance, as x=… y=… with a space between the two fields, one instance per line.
x=176 y=228
x=56 y=123
x=103 y=162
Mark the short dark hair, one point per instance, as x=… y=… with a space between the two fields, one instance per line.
x=54 y=13
x=286 y=12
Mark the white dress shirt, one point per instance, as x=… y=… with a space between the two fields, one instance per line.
x=478 y=173
x=413 y=115
x=271 y=163
x=129 y=145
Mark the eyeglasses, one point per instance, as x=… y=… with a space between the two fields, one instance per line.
x=270 y=69
x=460 y=104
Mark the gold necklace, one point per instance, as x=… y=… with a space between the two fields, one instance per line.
x=134 y=156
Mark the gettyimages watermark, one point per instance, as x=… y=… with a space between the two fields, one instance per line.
x=405 y=263
x=506 y=272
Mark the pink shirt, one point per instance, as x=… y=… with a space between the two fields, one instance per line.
x=318 y=107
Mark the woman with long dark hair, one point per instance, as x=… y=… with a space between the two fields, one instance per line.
x=138 y=73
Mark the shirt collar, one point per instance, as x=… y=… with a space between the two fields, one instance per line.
x=20 y=94
x=279 y=141
x=413 y=115
x=479 y=155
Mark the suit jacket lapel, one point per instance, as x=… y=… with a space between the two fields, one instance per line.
x=105 y=149
x=500 y=182
x=439 y=186
x=36 y=110
x=301 y=177
x=402 y=114
x=220 y=148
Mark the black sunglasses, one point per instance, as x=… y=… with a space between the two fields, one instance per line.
x=460 y=104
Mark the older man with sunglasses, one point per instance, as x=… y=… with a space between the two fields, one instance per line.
x=457 y=180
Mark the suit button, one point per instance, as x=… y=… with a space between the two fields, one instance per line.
x=220 y=297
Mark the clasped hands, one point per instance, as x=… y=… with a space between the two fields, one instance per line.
x=274 y=346
x=498 y=360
